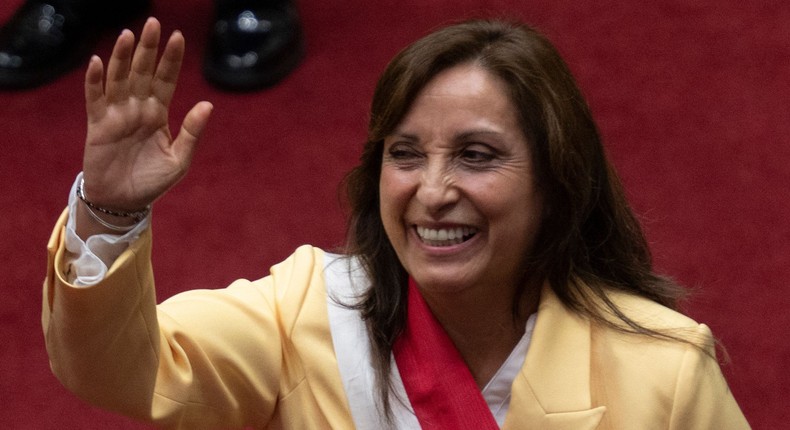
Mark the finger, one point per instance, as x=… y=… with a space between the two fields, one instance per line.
x=117 y=87
x=94 y=89
x=191 y=130
x=144 y=59
x=164 y=83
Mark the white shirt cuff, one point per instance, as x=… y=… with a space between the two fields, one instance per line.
x=89 y=260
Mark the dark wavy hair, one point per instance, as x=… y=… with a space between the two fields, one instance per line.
x=589 y=240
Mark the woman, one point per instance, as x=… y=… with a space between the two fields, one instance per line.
x=495 y=276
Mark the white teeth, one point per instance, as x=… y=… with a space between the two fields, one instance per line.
x=445 y=236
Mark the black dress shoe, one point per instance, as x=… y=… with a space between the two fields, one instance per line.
x=45 y=39
x=254 y=44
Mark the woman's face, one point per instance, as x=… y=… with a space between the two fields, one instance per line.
x=458 y=196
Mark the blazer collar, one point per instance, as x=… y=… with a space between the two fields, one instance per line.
x=552 y=391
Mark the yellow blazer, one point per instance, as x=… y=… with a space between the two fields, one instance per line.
x=260 y=354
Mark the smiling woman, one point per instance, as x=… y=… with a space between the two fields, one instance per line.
x=494 y=275
x=460 y=206
x=480 y=128
x=459 y=161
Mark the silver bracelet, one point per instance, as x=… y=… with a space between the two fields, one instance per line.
x=137 y=216
x=113 y=227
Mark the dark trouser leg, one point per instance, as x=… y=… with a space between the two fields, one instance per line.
x=254 y=44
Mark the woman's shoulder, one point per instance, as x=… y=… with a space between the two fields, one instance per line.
x=669 y=382
x=649 y=313
x=676 y=360
x=649 y=322
x=311 y=267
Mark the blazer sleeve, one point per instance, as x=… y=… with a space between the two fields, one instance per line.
x=203 y=359
x=702 y=398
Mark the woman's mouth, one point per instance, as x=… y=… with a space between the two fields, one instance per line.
x=445 y=236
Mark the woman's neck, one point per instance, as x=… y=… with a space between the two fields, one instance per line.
x=483 y=329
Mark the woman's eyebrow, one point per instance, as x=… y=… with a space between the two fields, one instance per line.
x=461 y=136
x=475 y=133
x=404 y=135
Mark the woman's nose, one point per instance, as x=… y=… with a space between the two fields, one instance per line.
x=437 y=189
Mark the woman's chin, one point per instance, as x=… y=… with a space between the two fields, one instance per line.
x=440 y=283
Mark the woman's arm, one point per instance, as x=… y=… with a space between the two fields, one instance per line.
x=206 y=359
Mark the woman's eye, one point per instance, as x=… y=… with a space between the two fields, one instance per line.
x=405 y=157
x=476 y=156
x=402 y=153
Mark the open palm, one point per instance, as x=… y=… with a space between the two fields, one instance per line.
x=131 y=158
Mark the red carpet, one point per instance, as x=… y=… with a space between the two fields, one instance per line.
x=692 y=102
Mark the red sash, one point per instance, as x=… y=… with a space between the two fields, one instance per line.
x=440 y=387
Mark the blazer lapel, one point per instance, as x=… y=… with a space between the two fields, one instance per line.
x=552 y=391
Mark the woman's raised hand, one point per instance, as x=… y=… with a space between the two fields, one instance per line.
x=130 y=156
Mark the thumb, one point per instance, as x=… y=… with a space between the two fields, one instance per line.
x=191 y=129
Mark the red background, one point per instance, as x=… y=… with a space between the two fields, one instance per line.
x=692 y=101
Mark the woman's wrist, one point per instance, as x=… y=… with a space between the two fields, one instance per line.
x=89 y=223
x=93 y=219
x=136 y=215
